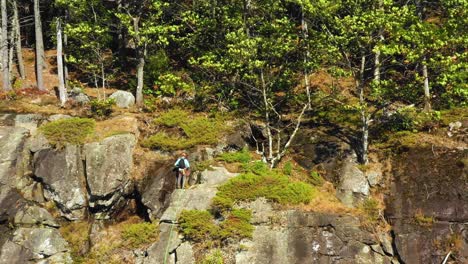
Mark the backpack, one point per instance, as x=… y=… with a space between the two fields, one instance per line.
x=181 y=164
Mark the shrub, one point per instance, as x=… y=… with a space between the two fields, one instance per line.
x=287 y=169
x=273 y=186
x=215 y=257
x=198 y=225
x=423 y=220
x=242 y=156
x=258 y=167
x=72 y=131
x=237 y=225
x=76 y=234
x=172 y=118
x=221 y=204
x=315 y=179
x=102 y=108
x=195 y=130
x=139 y=234
x=371 y=209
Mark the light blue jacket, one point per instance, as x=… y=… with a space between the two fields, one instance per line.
x=187 y=164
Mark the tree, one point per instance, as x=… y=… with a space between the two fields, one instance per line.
x=60 y=69
x=4 y=47
x=17 y=40
x=40 y=55
x=145 y=25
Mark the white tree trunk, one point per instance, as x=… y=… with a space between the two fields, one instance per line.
x=19 y=51
x=427 y=94
x=61 y=88
x=4 y=47
x=140 y=75
x=305 y=33
x=363 y=111
x=39 y=46
x=267 y=117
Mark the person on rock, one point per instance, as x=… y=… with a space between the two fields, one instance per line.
x=182 y=169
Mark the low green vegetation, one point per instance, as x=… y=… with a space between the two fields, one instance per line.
x=102 y=108
x=259 y=181
x=200 y=226
x=136 y=235
x=423 y=220
x=73 y=131
x=214 y=257
x=371 y=210
x=76 y=234
x=288 y=168
x=242 y=156
x=187 y=131
x=315 y=179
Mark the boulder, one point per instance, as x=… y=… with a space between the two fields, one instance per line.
x=28 y=121
x=109 y=166
x=11 y=252
x=42 y=242
x=11 y=202
x=353 y=186
x=184 y=253
x=77 y=95
x=34 y=215
x=12 y=141
x=157 y=187
x=159 y=252
x=62 y=175
x=305 y=237
x=123 y=99
x=199 y=197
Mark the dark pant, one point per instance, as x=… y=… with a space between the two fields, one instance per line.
x=180 y=179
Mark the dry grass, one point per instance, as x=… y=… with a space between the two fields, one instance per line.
x=119 y=125
x=325 y=201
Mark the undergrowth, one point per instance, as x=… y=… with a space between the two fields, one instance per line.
x=259 y=181
x=192 y=130
x=200 y=226
x=73 y=131
x=136 y=235
x=242 y=156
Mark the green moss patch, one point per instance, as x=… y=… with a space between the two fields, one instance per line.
x=73 y=131
x=187 y=131
x=261 y=182
x=242 y=156
x=136 y=235
x=200 y=226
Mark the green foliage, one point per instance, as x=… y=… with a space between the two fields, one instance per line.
x=257 y=167
x=237 y=224
x=288 y=167
x=196 y=130
x=315 y=179
x=370 y=208
x=411 y=120
x=76 y=234
x=198 y=226
x=136 y=235
x=423 y=220
x=242 y=156
x=271 y=185
x=222 y=204
x=102 y=108
x=73 y=131
x=214 y=257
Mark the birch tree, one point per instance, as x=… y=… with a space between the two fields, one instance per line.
x=4 y=47
x=60 y=69
x=17 y=40
x=40 y=55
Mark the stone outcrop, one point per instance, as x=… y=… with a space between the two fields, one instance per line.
x=301 y=237
x=12 y=141
x=199 y=197
x=109 y=166
x=427 y=204
x=123 y=99
x=353 y=186
x=62 y=174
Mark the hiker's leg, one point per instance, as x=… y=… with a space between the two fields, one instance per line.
x=182 y=176
x=177 y=179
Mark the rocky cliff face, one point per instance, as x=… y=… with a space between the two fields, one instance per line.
x=43 y=188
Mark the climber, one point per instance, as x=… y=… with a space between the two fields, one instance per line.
x=182 y=169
